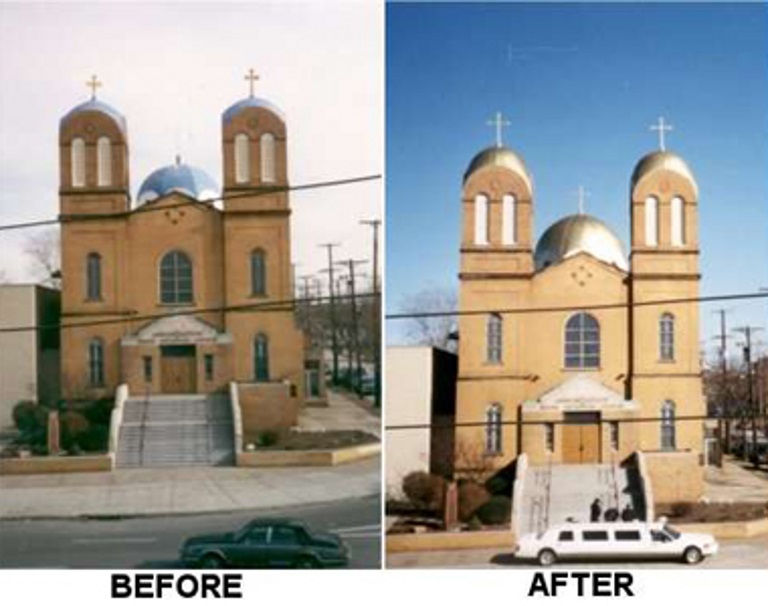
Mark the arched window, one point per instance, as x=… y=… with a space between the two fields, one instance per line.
x=78 y=162
x=96 y=362
x=667 y=337
x=481 y=219
x=175 y=278
x=93 y=277
x=508 y=220
x=493 y=427
x=582 y=342
x=494 y=338
x=651 y=221
x=242 y=158
x=104 y=161
x=668 y=425
x=261 y=358
x=258 y=272
x=678 y=221
x=267 y=158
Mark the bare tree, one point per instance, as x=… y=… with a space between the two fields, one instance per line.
x=435 y=331
x=44 y=250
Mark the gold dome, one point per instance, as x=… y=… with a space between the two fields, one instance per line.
x=502 y=157
x=575 y=234
x=662 y=160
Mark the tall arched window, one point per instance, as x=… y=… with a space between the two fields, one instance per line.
x=481 y=219
x=176 y=278
x=104 y=161
x=242 y=158
x=258 y=272
x=582 y=341
x=267 y=158
x=261 y=358
x=678 y=221
x=667 y=337
x=493 y=426
x=668 y=425
x=78 y=162
x=93 y=277
x=651 y=221
x=508 y=219
x=96 y=362
x=494 y=339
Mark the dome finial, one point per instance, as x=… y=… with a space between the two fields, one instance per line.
x=661 y=126
x=498 y=122
x=251 y=76
x=582 y=193
x=93 y=84
x=178 y=159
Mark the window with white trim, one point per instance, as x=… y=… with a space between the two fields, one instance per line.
x=494 y=339
x=481 y=219
x=651 y=221
x=104 y=162
x=78 y=162
x=508 y=219
x=678 y=221
x=582 y=341
x=242 y=158
x=267 y=158
x=667 y=337
x=493 y=428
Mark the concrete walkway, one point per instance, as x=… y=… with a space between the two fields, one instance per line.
x=164 y=491
x=736 y=481
x=343 y=412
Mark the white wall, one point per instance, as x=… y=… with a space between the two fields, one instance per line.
x=408 y=402
x=18 y=359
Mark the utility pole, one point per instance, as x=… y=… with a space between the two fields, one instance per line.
x=334 y=345
x=724 y=399
x=350 y=263
x=747 y=332
x=376 y=314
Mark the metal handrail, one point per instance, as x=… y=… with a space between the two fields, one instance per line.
x=142 y=426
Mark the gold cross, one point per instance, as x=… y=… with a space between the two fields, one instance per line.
x=251 y=76
x=93 y=84
x=661 y=126
x=498 y=122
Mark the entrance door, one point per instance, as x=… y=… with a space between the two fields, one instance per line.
x=581 y=437
x=178 y=368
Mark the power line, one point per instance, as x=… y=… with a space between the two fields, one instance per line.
x=149 y=207
x=598 y=306
x=267 y=306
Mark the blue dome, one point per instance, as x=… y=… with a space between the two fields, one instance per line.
x=188 y=180
x=251 y=102
x=94 y=105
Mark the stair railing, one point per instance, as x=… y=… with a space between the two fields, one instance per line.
x=548 y=492
x=142 y=427
x=614 y=481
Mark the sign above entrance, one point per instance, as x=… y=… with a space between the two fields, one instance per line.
x=176 y=329
x=579 y=393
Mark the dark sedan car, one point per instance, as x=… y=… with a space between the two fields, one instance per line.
x=266 y=543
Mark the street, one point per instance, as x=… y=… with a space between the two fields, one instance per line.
x=153 y=542
x=734 y=553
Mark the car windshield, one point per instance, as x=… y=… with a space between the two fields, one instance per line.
x=672 y=532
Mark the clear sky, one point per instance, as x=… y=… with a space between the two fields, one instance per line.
x=172 y=69
x=581 y=84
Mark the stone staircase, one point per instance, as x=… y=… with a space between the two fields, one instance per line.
x=163 y=431
x=554 y=494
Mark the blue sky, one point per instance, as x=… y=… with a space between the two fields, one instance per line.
x=581 y=84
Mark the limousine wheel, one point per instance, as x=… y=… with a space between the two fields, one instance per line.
x=692 y=555
x=547 y=557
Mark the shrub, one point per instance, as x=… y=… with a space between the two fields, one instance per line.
x=424 y=490
x=266 y=438
x=73 y=426
x=31 y=420
x=681 y=509
x=99 y=412
x=497 y=510
x=472 y=496
x=94 y=439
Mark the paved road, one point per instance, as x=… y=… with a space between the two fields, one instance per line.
x=153 y=542
x=742 y=553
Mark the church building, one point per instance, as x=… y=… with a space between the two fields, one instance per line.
x=176 y=294
x=565 y=352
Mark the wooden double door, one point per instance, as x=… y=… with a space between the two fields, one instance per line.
x=581 y=437
x=178 y=369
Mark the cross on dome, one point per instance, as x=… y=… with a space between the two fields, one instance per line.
x=251 y=76
x=661 y=126
x=93 y=84
x=498 y=122
x=582 y=193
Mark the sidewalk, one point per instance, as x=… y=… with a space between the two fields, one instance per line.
x=183 y=490
x=736 y=481
x=343 y=412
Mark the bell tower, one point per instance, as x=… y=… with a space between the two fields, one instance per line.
x=665 y=367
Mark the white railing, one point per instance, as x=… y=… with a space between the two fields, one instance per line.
x=237 y=419
x=517 y=492
x=116 y=419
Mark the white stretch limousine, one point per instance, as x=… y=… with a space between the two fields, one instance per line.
x=630 y=540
